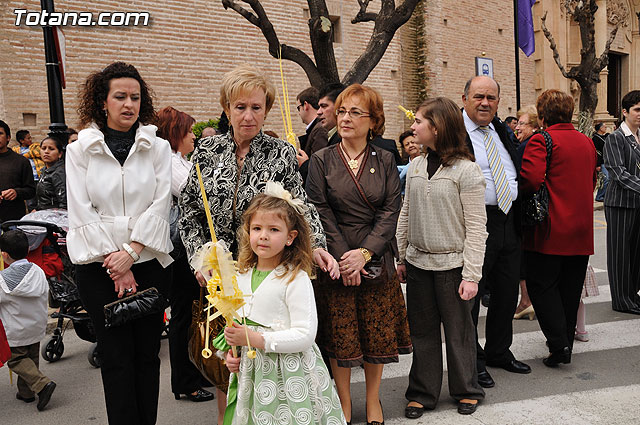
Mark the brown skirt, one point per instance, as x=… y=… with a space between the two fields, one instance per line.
x=366 y=323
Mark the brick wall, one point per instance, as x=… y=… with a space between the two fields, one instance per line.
x=182 y=54
x=460 y=30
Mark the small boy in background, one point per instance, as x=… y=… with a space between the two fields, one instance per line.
x=23 y=310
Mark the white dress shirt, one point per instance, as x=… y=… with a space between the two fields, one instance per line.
x=480 y=152
x=180 y=168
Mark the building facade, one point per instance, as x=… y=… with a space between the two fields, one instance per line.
x=189 y=45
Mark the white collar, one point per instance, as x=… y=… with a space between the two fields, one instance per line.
x=472 y=126
x=627 y=131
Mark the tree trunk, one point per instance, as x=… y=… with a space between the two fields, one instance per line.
x=587 y=108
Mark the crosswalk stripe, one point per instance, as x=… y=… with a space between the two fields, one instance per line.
x=531 y=345
x=579 y=407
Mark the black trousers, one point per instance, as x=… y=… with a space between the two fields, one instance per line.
x=623 y=256
x=184 y=289
x=130 y=365
x=502 y=268
x=432 y=298
x=554 y=283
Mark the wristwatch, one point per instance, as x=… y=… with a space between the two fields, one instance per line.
x=366 y=254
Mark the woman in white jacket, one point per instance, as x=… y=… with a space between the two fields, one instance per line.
x=118 y=188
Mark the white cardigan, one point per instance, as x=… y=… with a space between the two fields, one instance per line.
x=110 y=204
x=288 y=310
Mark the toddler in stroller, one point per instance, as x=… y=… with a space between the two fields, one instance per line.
x=46 y=232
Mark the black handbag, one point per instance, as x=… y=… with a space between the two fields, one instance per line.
x=535 y=209
x=376 y=271
x=133 y=307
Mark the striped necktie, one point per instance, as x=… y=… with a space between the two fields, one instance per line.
x=503 y=192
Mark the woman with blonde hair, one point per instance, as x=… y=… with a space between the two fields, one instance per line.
x=527 y=125
x=236 y=166
x=356 y=189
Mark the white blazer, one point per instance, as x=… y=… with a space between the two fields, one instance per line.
x=110 y=204
x=288 y=310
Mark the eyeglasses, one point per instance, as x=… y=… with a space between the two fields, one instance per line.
x=353 y=113
x=298 y=107
x=521 y=124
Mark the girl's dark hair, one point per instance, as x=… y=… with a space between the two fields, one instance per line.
x=95 y=89
x=57 y=142
x=445 y=116
x=295 y=257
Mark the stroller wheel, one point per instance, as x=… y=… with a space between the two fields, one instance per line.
x=53 y=349
x=93 y=355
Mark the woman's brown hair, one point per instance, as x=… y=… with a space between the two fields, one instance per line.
x=295 y=257
x=373 y=101
x=173 y=125
x=451 y=139
x=95 y=89
x=555 y=107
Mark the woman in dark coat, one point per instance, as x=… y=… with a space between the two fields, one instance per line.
x=557 y=250
x=51 y=191
x=356 y=190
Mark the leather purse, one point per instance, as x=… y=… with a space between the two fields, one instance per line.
x=376 y=271
x=133 y=307
x=535 y=209
x=212 y=368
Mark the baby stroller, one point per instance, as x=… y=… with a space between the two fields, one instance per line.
x=46 y=232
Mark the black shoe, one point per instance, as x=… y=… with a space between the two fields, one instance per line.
x=375 y=422
x=486 y=300
x=25 y=399
x=485 y=380
x=200 y=395
x=513 y=366
x=560 y=356
x=632 y=310
x=45 y=395
x=413 y=412
x=467 y=408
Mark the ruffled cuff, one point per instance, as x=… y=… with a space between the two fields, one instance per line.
x=88 y=243
x=152 y=231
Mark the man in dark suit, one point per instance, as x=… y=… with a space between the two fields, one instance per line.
x=389 y=145
x=315 y=137
x=326 y=110
x=495 y=153
x=622 y=207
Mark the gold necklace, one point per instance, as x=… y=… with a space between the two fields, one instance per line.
x=352 y=163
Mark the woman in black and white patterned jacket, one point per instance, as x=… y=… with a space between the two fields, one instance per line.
x=237 y=165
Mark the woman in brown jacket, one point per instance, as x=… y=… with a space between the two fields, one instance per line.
x=356 y=190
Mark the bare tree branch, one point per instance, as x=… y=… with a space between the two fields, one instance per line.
x=603 y=60
x=554 y=47
x=261 y=20
x=387 y=23
x=363 y=15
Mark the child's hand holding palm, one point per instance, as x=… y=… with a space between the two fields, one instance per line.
x=236 y=335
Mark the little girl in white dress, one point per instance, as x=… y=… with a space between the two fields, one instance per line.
x=287 y=382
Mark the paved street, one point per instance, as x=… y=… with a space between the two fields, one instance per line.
x=600 y=386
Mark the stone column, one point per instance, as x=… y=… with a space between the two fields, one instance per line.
x=601 y=36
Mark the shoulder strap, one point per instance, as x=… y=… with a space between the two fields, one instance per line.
x=549 y=146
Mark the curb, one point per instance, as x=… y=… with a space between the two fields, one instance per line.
x=53 y=323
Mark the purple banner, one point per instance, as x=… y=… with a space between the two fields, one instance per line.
x=526 y=40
